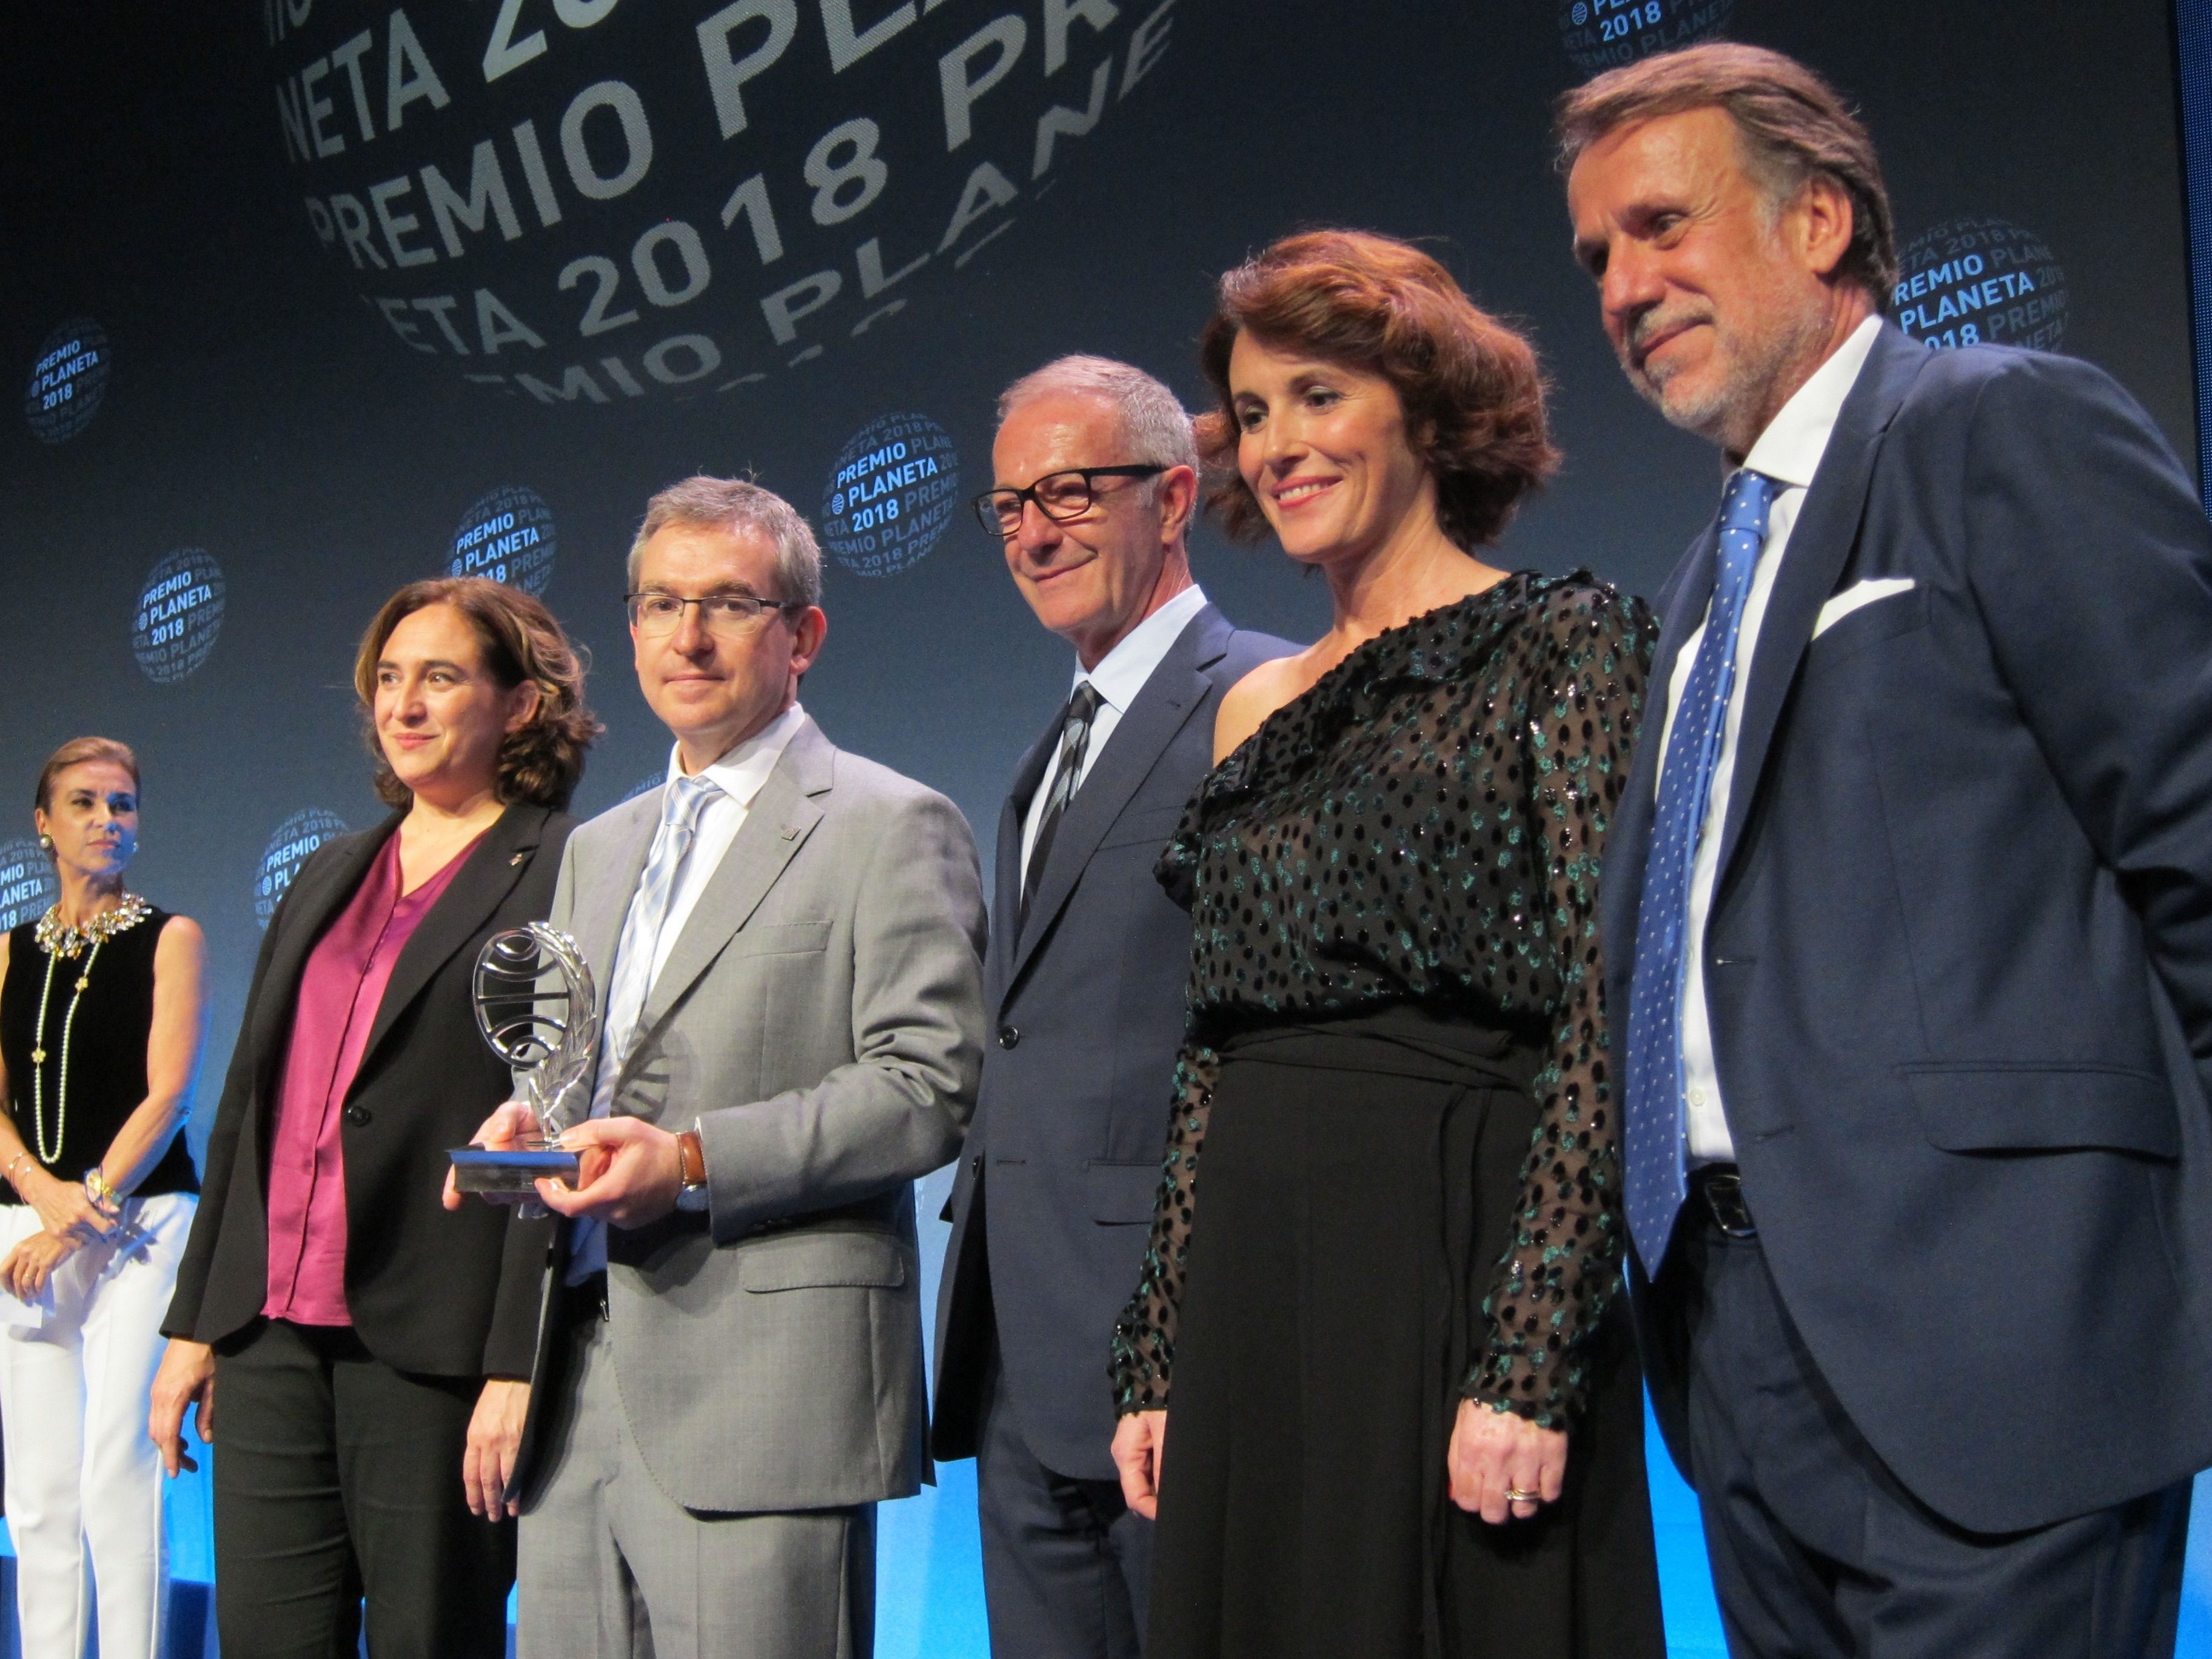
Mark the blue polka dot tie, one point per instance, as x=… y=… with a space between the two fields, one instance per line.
x=1654 y=1121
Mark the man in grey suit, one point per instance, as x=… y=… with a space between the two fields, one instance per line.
x=785 y=942
x=1095 y=483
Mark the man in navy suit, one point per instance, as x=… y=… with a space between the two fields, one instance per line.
x=1908 y=910
x=1097 y=480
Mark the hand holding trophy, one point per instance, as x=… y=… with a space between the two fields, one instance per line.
x=538 y=1007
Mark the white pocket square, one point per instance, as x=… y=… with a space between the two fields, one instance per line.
x=1859 y=593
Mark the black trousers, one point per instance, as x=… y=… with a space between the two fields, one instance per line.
x=1361 y=1179
x=1819 y=1551
x=336 y=1478
x=1066 y=1564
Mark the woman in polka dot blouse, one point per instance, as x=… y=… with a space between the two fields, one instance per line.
x=1406 y=1418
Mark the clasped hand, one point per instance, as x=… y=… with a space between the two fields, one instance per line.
x=69 y=1220
x=629 y=1171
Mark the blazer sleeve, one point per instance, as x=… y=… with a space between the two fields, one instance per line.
x=897 y=1109
x=2091 y=561
x=518 y=1304
x=231 y=1106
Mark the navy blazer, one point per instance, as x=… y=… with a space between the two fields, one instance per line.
x=1086 y=1009
x=1963 y=913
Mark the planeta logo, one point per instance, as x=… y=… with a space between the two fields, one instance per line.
x=891 y=492
x=178 y=614
x=68 y=378
x=1603 y=34
x=1981 y=282
x=508 y=536
x=295 y=838
x=28 y=886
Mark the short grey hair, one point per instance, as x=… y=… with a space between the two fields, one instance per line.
x=1154 y=424
x=733 y=505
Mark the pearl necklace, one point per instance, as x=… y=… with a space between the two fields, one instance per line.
x=61 y=942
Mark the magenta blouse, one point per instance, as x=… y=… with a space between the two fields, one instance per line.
x=340 y=992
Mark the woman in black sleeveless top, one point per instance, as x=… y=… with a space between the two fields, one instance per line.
x=100 y=1028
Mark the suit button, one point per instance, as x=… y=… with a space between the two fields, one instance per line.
x=356 y=1114
x=1008 y=1036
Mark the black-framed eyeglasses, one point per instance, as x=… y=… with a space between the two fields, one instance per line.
x=1063 y=497
x=654 y=613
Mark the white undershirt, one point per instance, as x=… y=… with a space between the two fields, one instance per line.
x=1789 y=452
x=1121 y=674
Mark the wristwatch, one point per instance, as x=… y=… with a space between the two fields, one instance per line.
x=691 y=1159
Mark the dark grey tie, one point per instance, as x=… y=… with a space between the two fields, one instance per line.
x=1074 y=740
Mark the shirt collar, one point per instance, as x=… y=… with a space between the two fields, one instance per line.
x=1122 y=671
x=742 y=769
x=1790 y=450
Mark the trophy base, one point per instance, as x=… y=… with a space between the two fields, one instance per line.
x=509 y=1169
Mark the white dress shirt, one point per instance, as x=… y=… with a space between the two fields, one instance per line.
x=1789 y=452
x=741 y=772
x=1121 y=674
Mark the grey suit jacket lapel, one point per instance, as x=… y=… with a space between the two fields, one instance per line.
x=603 y=894
x=777 y=826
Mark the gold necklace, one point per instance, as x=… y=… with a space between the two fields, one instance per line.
x=56 y=938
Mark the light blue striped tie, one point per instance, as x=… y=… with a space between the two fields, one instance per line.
x=1653 y=1120
x=681 y=803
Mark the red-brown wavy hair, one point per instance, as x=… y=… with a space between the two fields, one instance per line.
x=1471 y=386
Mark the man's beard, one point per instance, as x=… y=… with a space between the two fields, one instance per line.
x=1734 y=410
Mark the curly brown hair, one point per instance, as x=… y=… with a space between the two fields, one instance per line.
x=1472 y=389
x=542 y=762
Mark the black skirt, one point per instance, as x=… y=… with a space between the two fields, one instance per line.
x=1356 y=1187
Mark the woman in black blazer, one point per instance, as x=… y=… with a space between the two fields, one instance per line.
x=370 y=1348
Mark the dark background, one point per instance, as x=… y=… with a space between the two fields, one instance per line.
x=258 y=407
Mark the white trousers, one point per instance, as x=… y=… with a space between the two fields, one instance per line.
x=83 y=1478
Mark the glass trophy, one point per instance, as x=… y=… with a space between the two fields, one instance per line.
x=538 y=1007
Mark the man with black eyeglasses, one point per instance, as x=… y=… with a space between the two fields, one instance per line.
x=1095 y=482
x=786 y=940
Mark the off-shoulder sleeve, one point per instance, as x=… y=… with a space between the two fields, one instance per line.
x=1145 y=1334
x=1563 y=1267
